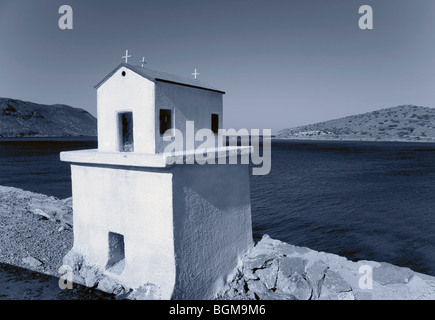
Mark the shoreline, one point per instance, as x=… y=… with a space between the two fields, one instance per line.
x=317 y=139
x=353 y=140
x=49 y=138
x=36 y=233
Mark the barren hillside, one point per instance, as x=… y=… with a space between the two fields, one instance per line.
x=402 y=123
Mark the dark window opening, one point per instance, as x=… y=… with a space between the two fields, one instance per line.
x=116 y=250
x=215 y=123
x=126 y=131
x=123 y=73
x=165 y=120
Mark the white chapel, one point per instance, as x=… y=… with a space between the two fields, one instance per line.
x=141 y=221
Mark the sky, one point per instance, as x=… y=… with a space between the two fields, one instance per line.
x=281 y=63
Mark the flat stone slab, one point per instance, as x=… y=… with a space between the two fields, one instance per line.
x=390 y=274
x=291 y=265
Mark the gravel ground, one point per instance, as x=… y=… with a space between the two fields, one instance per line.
x=35 y=234
x=35 y=230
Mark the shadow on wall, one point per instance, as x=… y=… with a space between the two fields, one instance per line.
x=212 y=226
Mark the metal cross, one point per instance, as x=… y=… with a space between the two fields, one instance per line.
x=195 y=73
x=126 y=56
x=142 y=62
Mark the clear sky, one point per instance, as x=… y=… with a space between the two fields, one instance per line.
x=282 y=63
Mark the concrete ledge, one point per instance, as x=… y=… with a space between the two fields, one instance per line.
x=132 y=159
x=93 y=156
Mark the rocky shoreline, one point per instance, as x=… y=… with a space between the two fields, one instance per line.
x=36 y=234
x=276 y=270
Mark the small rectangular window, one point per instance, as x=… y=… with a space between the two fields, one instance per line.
x=125 y=121
x=116 y=249
x=165 y=120
x=215 y=123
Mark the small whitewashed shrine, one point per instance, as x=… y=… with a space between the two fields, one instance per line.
x=140 y=220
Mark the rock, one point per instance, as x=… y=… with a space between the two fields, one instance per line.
x=360 y=295
x=257 y=262
x=267 y=244
x=258 y=288
x=315 y=275
x=250 y=275
x=236 y=296
x=346 y=296
x=250 y=295
x=110 y=285
x=237 y=283
x=253 y=264
x=289 y=250
x=41 y=213
x=295 y=285
x=67 y=220
x=74 y=260
x=77 y=278
x=90 y=275
x=390 y=274
x=421 y=289
x=333 y=280
x=148 y=291
x=31 y=261
x=270 y=295
x=335 y=287
x=241 y=290
x=269 y=274
x=289 y=266
x=68 y=201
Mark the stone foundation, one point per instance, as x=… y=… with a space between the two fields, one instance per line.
x=94 y=277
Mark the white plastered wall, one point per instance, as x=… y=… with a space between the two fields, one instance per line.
x=212 y=226
x=135 y=203
x=187 y=104
x=131 y=92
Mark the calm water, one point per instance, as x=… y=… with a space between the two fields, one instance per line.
x=362 y=200
x=35 y=165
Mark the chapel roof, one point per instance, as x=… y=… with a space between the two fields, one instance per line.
x=156 y=76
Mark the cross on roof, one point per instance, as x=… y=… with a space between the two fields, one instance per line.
x=195 y=73
x=126 y=56
x=142 y=62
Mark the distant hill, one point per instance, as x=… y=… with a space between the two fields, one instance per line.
x=27 y=119
x=402 y=123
